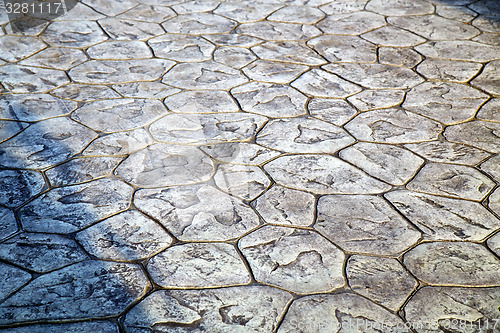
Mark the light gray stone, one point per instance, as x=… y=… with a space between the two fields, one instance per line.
x=459 y=50
x=14 y=278
x=10 y=128
x=194 y=6
x=80 y=170
x=377 y=99
x=17 y=186
x=487 y=23
x=183 y=48
x=80 y=327
x=278 y=31
x=33 y=107
x=403 y=8
x=334 y=111
x=489 y=80
x=447 y=152
x=155 y=90
x=8 y=224
x=490 y=111
x=15 y=48
x=110 y=8
x=398 y=56
x=242 y=181
x=148 y=13
x=446 y=70
x=198 y=24
x=343 y=6
x=488 y=38
x=80 y=12
x=434 y=27
x=479 y=134
x=235 y=57
x=57 y=58
x=119 y=50
x=455 y=12
x=73 y=34
x=351 y=24
x=494 y=243
x=24 y=79
x=233 y=39
x=201 y=101
x=297 y=14
x=240 y=153
x=342 y=48
x=393 y=36
x=494 y=201
x=273 y=71
x=320 y=83
x=245 y=12
x=118 y=144
x=84 y=93
x=288 y=51
x=492 y=167
x=130 y=30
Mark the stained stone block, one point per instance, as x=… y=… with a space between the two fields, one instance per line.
x=492 y=167
x=119 y=50
x=33 y=107
x=297 y=14
x=240 y=153
x=303 y=135
x=14 y=278
x=457 y=181
x=17 y=186
x=235 y=57
x=183 y=48
x=198 y=265
x=342 y=48
x=24 y=79
x=79 y=34
x=446 y=70
x=278 y=31
x=320 y=83
x=68 y=209
x=242 y=181
x=343 y=6
x=10 y=128
x=490 y=111
x=80 y=170
x=453 y=263
x=198 y=24
x=334 y=111
x=148 y=13
x=84 y=93
x=245 y=12
x=130 y=30
x=382 y=280
x=271 y=100
x=398 y=56
x=351 y=24
x=447 y=152
x=8 y=224
x=15 y=48
x=400 y=8
x=110 y=8
x=233 y=39
x=80 y=327
x=294 y=259
x=489 y=80
x=273 y=71
x=179 y=165
x=459 y=50
x=155 y=90
x=197 y=212
x=479 y=134
x=288 y=51
x=85 y=290
x=249 y=308
x=393 y=36
x=118 y=144
x=57 y=58
x=201 y=101
x=377 y=99
x=322 y=174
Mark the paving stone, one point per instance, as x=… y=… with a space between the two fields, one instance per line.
x=391 y=164
x=459 y=50
x=376 y=76
x=81 y=170
x=119 y=50
x=288 y=51
x=273 y=71
x=84 y=93
x=119 y=114
x=377 y=99
x=26 y=26
x=479 y=134
x=489 y=80
x=240 y=153
x=320 y=83
x=245 y=12
x=454 y=12
x=338 y=312
x=197 y=212
x=33 y=107
x=487 y=23
x=130 y=30
x=235 y=57
x=447 y=152
x=249 y=308
x=403 y=8
x=179 y=165
x=73 y=34
x=233 y=39
x=281 y=205
x=118 y=144
x=297 y=14
x=84 y=290
x=382 y=280
x=8 y=224
x=272 y=100
x=494 y=243
x=242 y=181
x=393 y=126
x=198 y=24
x=17 y=186
x=182 y=48
x=110 y=8
x=148 y=13
x=485 y=7
x=322 y=174
x=278 y=31
x=343 y=6
x=57 y=58
x=303 y=135
x=446 y=70
x=24 y=79
x=393 y=36
x=201 y=101
x=334 y=111
x=294 y=259
x=351 y=24
x=14 y=278
x=492 y=167
x=488 y=38
x=196 y=6
x=10 y=128
x=15 y=48
x=198 y=265
x=453 y=263
x=155 y=90
x=449 y=103
x=341 y=48
x=80 y=327
x=494 y=201
x=398 y=56
x=68 y=209
x=80 y=12
x=490 y=111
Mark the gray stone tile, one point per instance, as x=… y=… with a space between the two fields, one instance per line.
x=492 y=167
x=155 y=90
x=242 y=181
x=351 y=24
x=297 y=14
x=194 y=6
x=393 y=36
x=342 y=48
x=488 y=38
x=377 y=99
x=198 y=24
x=494 y=201
x=479 y=134
x=233 y=39
x=288 y=51
x=485 y=7
x=335 y=111
x=490 y=111
x=455 y=12
x=245 y=12
x=398 y=56
x=17 y=186
x=278 y=31
x=84 y=93
x=24 y=79
x=320 y=83
x=15 y=48
x=81 y=170
x=446 y=70
x=274 y=71
x=447 y=152
x=240 y=153
x=33 y=107
x=80 y=12
x=148 y=13
x=73 y=34
x=118 y=144
x=57 y=58
x=130 y=30
x=487 y=23
x=235 y=57
x=8 y=224
x=183 y=48
x=494 y=243
x=489 y=80
x=343 y=6
x=119 y=50
x=14 y=279
x=434 y=27
x=80 y=327
x=110 y=8
x=459 y=50
x=201 y=101
x=10 y=128
x=403 y=8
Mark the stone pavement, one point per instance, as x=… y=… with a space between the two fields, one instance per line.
x=251 y=166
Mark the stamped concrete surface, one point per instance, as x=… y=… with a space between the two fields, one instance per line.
x=251 y=166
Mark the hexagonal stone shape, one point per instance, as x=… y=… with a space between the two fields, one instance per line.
x=120 y=50
x=400 y=8
x=8 y=224
x=322 y=174
x=490 y=111
x=382 y=280
x=148 y=13
x=78 y=327
x=118 y=144
x=201 y=101
x=488 y=79
x=68 y=209
x=392 y=164
x=293 y=259
x=112 y=8
x=179 y=165
x=17 y=186
x=376 y=76
x=197 y=212
x=240 y=153
x=249 y=308
x=198 y=265
x=235 y=57
x=377 y=99
x=80 y=170
x=84 y=93
x=127 y=236
x=393 y=36
x=16 y=48
x=33 y=107
x=198 y=23
x=183 y=48
x=351 y=24
x=244 y=12
x=393 y=126
x=330 y=313
x=453 y=263
x=334 y=111
x=342 y=48
x=242 y=181
x=447 y=152
x=459 y=50
x=479 y=134
x=114 y=287
x=288 y=51
x=297 y=14
x=271 y=100
x=24 y=79
x=73 y=34
x=398 y=56
x=278 y=31
x=303 y=135
x=273 y=71
x=320 y=83
x=456 y=181
x=14 y=279
x=446 y=70
x=130 y=30
x=364 y=224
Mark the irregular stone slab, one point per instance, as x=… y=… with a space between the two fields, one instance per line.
x=118 y=144
x=342 y=48
x=491 y=167
x=303 y=135
x=182 y=48
x=240 y=153
x=274 y=72
x=201 y=101
x=487 y=23
x=127 y=236
x=10 y=128
x=197 y=212
x=288 y=51
x=297 y=14
x=81 y=327
x=205 y=75
x=494 y=243
x=330 y=313
x=322 y=174
x=343 y=6
x=364 y=224
x=179 y=165
x=382 y=280
x=25 y=25
x=45 y=143
x=393 y=36
x=56 y=58
x=80 y=12
x=86 y=290
x=479 y=134
x=195 y=6
x=320 y=83
x=130 y=30
x=23 y=79
x=249 y=308
x=457 y=181
x=490 y=111
x=41 y=252
x=246 y=12
x=443 y=218
x=458 y=13
x=376 y=76
x=485 y=7
x=68 y=209
x=209 y=128
x=334 y=111
x=148 y=13
x=398 y=56
x=392 y=164
x=459 y=50
x=489 y=80
x=351 y=24
x=80 y=170
x=434 y=27
x=449 y=103
x=198 y=265
x=233 y=39
x=447 y=152
x=453 y=263
x=294 y=259
x=446 y=70
x=377 y=99
x=393 y=126
x=84 y=92
x=17 y=186
x=111 y=8
x=281 y=205
x=119 y=50
x=15 y=48
x=235 y=57
x=8 y=224
x=494 y=201
x=14 y=279
x=33 y=107
x=119 y=114
x=155 y=90
x=119 y=71
x=278 y=31
x=488 y=38
x=242 y=181
x=198 y=24
x=73 y=34
x=400 y=8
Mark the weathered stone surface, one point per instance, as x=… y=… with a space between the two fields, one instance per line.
x=343 y=6
x=479 y=134
x=278 y=31
x=233 y=39
x=447 y=152
x=84 y=93
x=10 y=128
x=453 y=263
x=492 y=167
x=179 y=165
x=130 y=30
x=183 y=48
x=377 y=99
x=240 y=153
x=235 y=57
x=288 y=51
x=81 y=170
x=73 y=34
x=434 y=27
x=457 y=181
x=494 y=201
x=487 y=23
x=110 y=8
x=126 y=236
x=198 y=265
x=382 y=280
x=195 y=6
x=80 y=327
x=56 y=58
x=198 y=23
x=85 y=290
x=251 y=308
x=294 y=259
x=446 y=70
x=342 y=48
x=489 y=80
x=273 y=71
x=459 y=50
x=68 y=209
x=297 y=14
x=242 y=181
x=80 y=12
x=320 y=83
x=322 y=174
x=15 y=48
x=485 y=7
x=33 y=107
x=393 y=36
x=118 y=144
x=17 y=186
x=281 y=205
x=14 y=278
x=119 y=50
x=244 y=12
x=351 y=24
x=494 y=243
x=148 y=13
x=155 y=90
x=197 y=212
x=456 y=12
x=8 y=224
x=398 y=56
x=334 y=111
x=400 y=8
x=24 y=79
x=202 y=101
x=490 y=111
x=488 y=38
